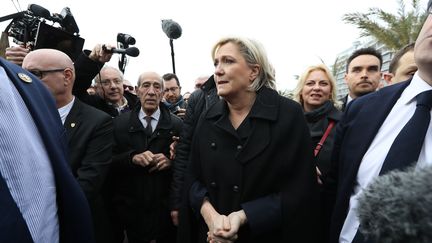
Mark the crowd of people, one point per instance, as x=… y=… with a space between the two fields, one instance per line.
x=105 y=160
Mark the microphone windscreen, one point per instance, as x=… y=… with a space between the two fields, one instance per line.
x=39 y=11
x=132 y=51
x=397 y=207
x=171 y=28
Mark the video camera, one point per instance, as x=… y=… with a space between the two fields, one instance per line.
x=30 y=28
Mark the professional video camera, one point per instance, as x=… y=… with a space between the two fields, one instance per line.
x=31 y=29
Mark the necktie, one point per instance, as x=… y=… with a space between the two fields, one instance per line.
x=407 y=145
x=148 y=128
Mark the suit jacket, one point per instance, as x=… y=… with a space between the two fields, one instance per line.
x=89 y=133
x=354 y=134
x=73 y=211
x=344 y=101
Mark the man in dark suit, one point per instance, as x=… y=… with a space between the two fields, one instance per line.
x=89 y=130
x=141 y=172
x=363 y=73
x=40 y=199
x=372 y=127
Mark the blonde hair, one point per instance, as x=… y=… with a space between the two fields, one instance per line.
x=303 y=78
x=254 y=53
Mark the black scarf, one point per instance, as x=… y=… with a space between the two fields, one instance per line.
x=319 y=113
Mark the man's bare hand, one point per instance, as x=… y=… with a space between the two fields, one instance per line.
x=161 y=163
x=16 y=54
x=173 y=147
x=144 y=159
x=101 y=54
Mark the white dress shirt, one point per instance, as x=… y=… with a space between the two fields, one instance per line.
x=64 y=111
x=155 y=118
x=374 y=158
x=25 y=165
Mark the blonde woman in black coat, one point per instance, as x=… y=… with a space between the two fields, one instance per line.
x=316 y=92
x=251 y=162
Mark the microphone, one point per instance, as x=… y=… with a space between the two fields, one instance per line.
x=397 y=207
x=171 y=28
x=39 y=11
x=131 y=51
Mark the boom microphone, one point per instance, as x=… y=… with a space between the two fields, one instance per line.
x=397 y=207
x=40 y=11
x=131 y=51
x=171 y=28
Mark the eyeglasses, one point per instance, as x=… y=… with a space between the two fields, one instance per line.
x=40 y=74
x=108 y=82
x=172 y=89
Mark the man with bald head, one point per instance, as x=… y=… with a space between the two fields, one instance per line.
x=141 y=173
x=89 y=130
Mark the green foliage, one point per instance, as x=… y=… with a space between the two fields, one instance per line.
x=392 y=30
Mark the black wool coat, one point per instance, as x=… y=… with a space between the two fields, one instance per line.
x=140 y=197
x=269 y=173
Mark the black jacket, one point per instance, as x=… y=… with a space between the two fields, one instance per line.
x=265 y=168
x=199 y=101
x=90 y=146
x=140 y=197
x=90 y=138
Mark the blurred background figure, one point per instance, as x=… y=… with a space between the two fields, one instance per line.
x=91 y=90
x=402 y=66
x=186 y=97
x=172 y=95
x=200 y=81
x=128 y=87
x=397 y=207
x=316 y=92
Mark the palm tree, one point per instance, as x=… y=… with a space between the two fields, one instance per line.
x=392 y=30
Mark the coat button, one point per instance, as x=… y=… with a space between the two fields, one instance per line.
x=239 y=147
x=236 y=188
x=213 y=145
x=213 y=184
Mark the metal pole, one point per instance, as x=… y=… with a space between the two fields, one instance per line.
x=172 y=55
